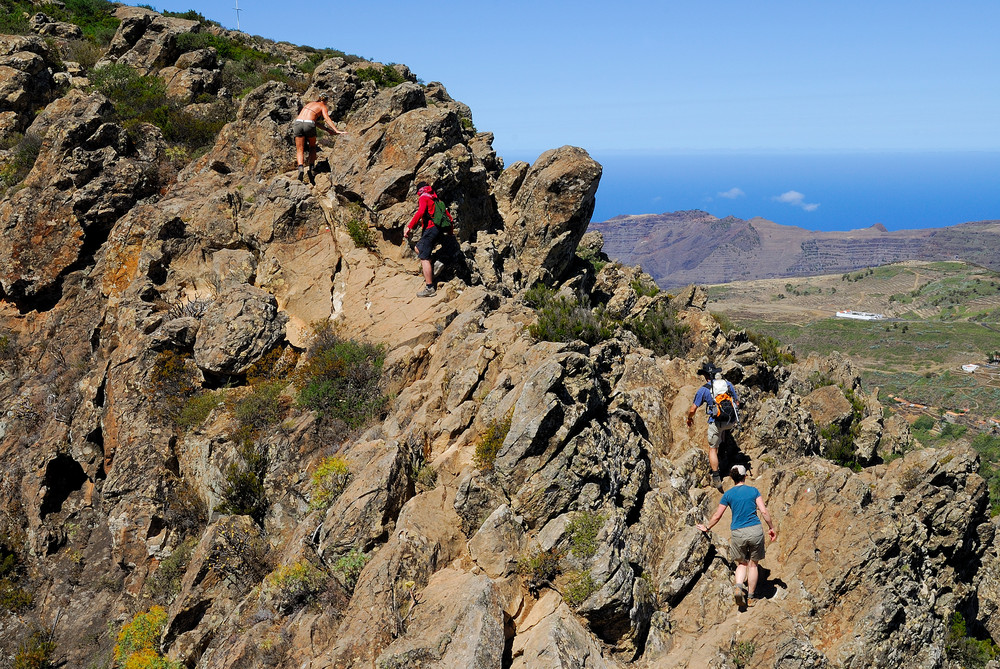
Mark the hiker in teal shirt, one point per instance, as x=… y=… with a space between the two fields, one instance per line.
x=746 y=541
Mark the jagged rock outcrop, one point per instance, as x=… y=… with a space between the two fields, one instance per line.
x=128 y=292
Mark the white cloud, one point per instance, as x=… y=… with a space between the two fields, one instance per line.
x=796 y=199
x=732 y=194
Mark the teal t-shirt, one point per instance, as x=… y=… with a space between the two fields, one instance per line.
x=742 y=502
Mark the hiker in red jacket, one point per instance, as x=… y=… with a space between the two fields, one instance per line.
x=425 y=246
x=304 y=130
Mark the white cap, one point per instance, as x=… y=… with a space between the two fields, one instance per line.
x=741 y=469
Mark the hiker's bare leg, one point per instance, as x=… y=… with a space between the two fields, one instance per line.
x=300 y=145
x=428 y=272
x=741 y=573
x=312 y=151
x=752 y=577
x=713 y=458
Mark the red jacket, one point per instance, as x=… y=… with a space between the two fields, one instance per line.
x=428 y=203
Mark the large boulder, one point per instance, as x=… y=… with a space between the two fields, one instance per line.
x=551 y=211
x=237 y=330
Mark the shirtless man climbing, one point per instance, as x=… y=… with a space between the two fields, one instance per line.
x=304 y=128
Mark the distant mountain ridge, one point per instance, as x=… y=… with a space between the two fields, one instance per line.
x=685 y=247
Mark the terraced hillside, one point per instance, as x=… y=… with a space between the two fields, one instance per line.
x=940 y=316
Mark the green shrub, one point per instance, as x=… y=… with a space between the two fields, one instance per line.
x=580 y=586
x=243 y=493
x=36 y=651
x=491 y=441
x=242 y=76
x=328 y=482
x=923 y=423
x=362 y=235
x=953 y=430
x=643 y=288
x=725 y=323
x=82 y=51
x=13 y=597
x=171 y=383
x=139 y=640
x=12 y=19
x=583 y=531
x=165 y=583
x=190 y=15
x=592 y=257
x=241 y=555
x=386 y=77
x=968 y=652
x=660 y=331
x=292 y=586
x=340 y=379
x=20 y=159
x=196 y=409
x=988 y=447
x=135 y=97
x=10 y=352
x=227 y=48
x=742 y=652
x=566 y=319
x=540 y=566
x=771 y=350
x=350 y=566
x=95 y=18
x=256 y=410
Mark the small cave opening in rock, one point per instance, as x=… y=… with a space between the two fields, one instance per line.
x=63 y=477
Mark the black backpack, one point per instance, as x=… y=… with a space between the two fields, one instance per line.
x=722 y=407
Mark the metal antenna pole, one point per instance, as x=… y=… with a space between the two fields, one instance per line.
x=238 y=10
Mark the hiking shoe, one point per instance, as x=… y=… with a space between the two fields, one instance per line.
x=300 y=173
x=740 y=595
x=438 y=266
x=716 y=480
x=310 y=175
x=428 y=291
x=751 y=600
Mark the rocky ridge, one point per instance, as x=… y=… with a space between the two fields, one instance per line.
x=110 y=269
x=686 y=247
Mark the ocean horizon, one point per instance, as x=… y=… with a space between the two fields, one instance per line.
x=813 y=190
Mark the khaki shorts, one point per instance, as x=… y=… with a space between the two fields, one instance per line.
x=716 y=431
x=747 y=543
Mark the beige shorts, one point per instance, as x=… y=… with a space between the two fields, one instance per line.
x=716 y=431
x=747 y=543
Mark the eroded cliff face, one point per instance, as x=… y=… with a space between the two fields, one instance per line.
x=111 y=271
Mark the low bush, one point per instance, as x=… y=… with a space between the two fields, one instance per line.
x=256 y=409
x=240 y=77
x=227 y=47
x=350 y=566
x=36 y=651
x=95 y=17
x=579 y=587
x=644 y=288
x=328 y=481
x=165 y=583
x=565 y=319
x=81 y=51
x=241 y=555
x=742 y=652
x=964 y=650
x=13 y=596
x=340 y=379
x=384 y=77
x=361 y=234
x=491 y=441
x=243 y=493
x=293 y=586
x=771 y=350
x=923 y=423
x=197 y=408
x=21 y=156
x=583 y=531
x=172 y=381
x=988 y=447
x=540 y=567
x=660 y=331
x=139 y=640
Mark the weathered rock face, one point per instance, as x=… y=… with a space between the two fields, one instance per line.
x=26 y=81
x=571 y=544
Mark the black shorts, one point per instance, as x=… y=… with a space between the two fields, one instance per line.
x=303 y=129
x=427 y=240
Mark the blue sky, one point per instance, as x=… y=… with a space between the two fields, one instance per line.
x=671 y=76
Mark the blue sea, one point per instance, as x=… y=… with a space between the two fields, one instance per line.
x=816 y=191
